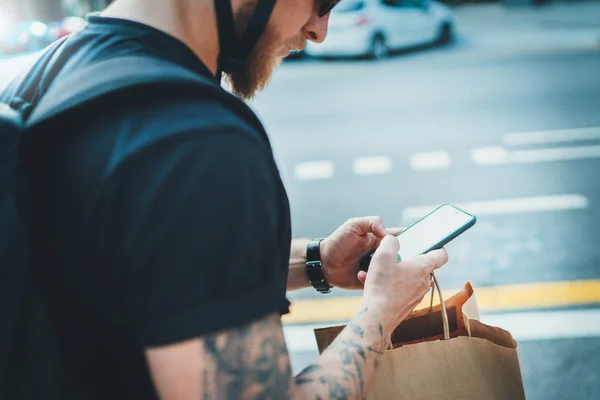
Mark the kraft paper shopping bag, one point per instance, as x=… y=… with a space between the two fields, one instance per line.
x=445 y=353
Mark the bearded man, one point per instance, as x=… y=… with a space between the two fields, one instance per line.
x=163 y=226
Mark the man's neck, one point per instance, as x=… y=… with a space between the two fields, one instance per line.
x=191 y=21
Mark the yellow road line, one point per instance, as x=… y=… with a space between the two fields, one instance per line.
x=498 y=298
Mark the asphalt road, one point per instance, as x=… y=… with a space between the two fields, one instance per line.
x=396 y=111
x=461 y=124
x=505 y=122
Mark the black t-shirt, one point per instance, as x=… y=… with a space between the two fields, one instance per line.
x=166 y=218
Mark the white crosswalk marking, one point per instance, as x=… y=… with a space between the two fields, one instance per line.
x=498 y=155
x=314 y=170
x=508 y=206
x=482 y=156
x=372 y=165
x=554 y=154
x=553 y=136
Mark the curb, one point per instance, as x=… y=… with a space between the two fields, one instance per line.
x=541 y=295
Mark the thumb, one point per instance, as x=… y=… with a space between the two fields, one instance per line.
x=362 y=277
x=389 y=247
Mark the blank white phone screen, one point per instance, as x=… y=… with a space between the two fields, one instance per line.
x=431 y=230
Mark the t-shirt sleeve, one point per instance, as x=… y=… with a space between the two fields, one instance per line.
x=197 y=230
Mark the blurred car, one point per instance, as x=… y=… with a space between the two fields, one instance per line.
x=23 y=37
x=376 y=27
x=67 y=26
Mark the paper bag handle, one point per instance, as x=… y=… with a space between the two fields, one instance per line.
x=444 y=312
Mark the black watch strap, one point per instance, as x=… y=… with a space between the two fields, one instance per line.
x=314 y=267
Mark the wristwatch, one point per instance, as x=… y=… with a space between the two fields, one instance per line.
x=314 y=267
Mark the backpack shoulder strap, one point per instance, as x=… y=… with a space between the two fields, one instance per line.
x=116 y=74
x=28 y=84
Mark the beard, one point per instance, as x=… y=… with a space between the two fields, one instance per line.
x=262 y=61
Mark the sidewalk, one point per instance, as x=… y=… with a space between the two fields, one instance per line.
x=500 y=29
x=556 y=24
x=569 y=15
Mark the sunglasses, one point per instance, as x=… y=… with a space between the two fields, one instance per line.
x=325 y=6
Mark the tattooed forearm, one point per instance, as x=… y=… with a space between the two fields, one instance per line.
x=346 y=368
x=252 y=362
x=249 y=363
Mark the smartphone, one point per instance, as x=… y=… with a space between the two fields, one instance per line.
x=434 y=231
x=431 y=232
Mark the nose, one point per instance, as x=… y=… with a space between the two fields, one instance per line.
x=315 y=29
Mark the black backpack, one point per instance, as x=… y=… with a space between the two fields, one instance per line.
x=30 y=362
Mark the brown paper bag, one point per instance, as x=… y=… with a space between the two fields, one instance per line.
x=434 y=357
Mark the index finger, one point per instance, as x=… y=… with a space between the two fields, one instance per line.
x=370 y=225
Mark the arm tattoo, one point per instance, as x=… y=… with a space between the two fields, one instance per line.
x=347 y=383
x=249 y=363
x=357 y=329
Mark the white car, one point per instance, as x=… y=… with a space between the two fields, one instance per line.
x=376 y=27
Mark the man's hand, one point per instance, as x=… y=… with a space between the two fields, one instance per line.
x=396 y=288
x=392 y=290
x=341 y=252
